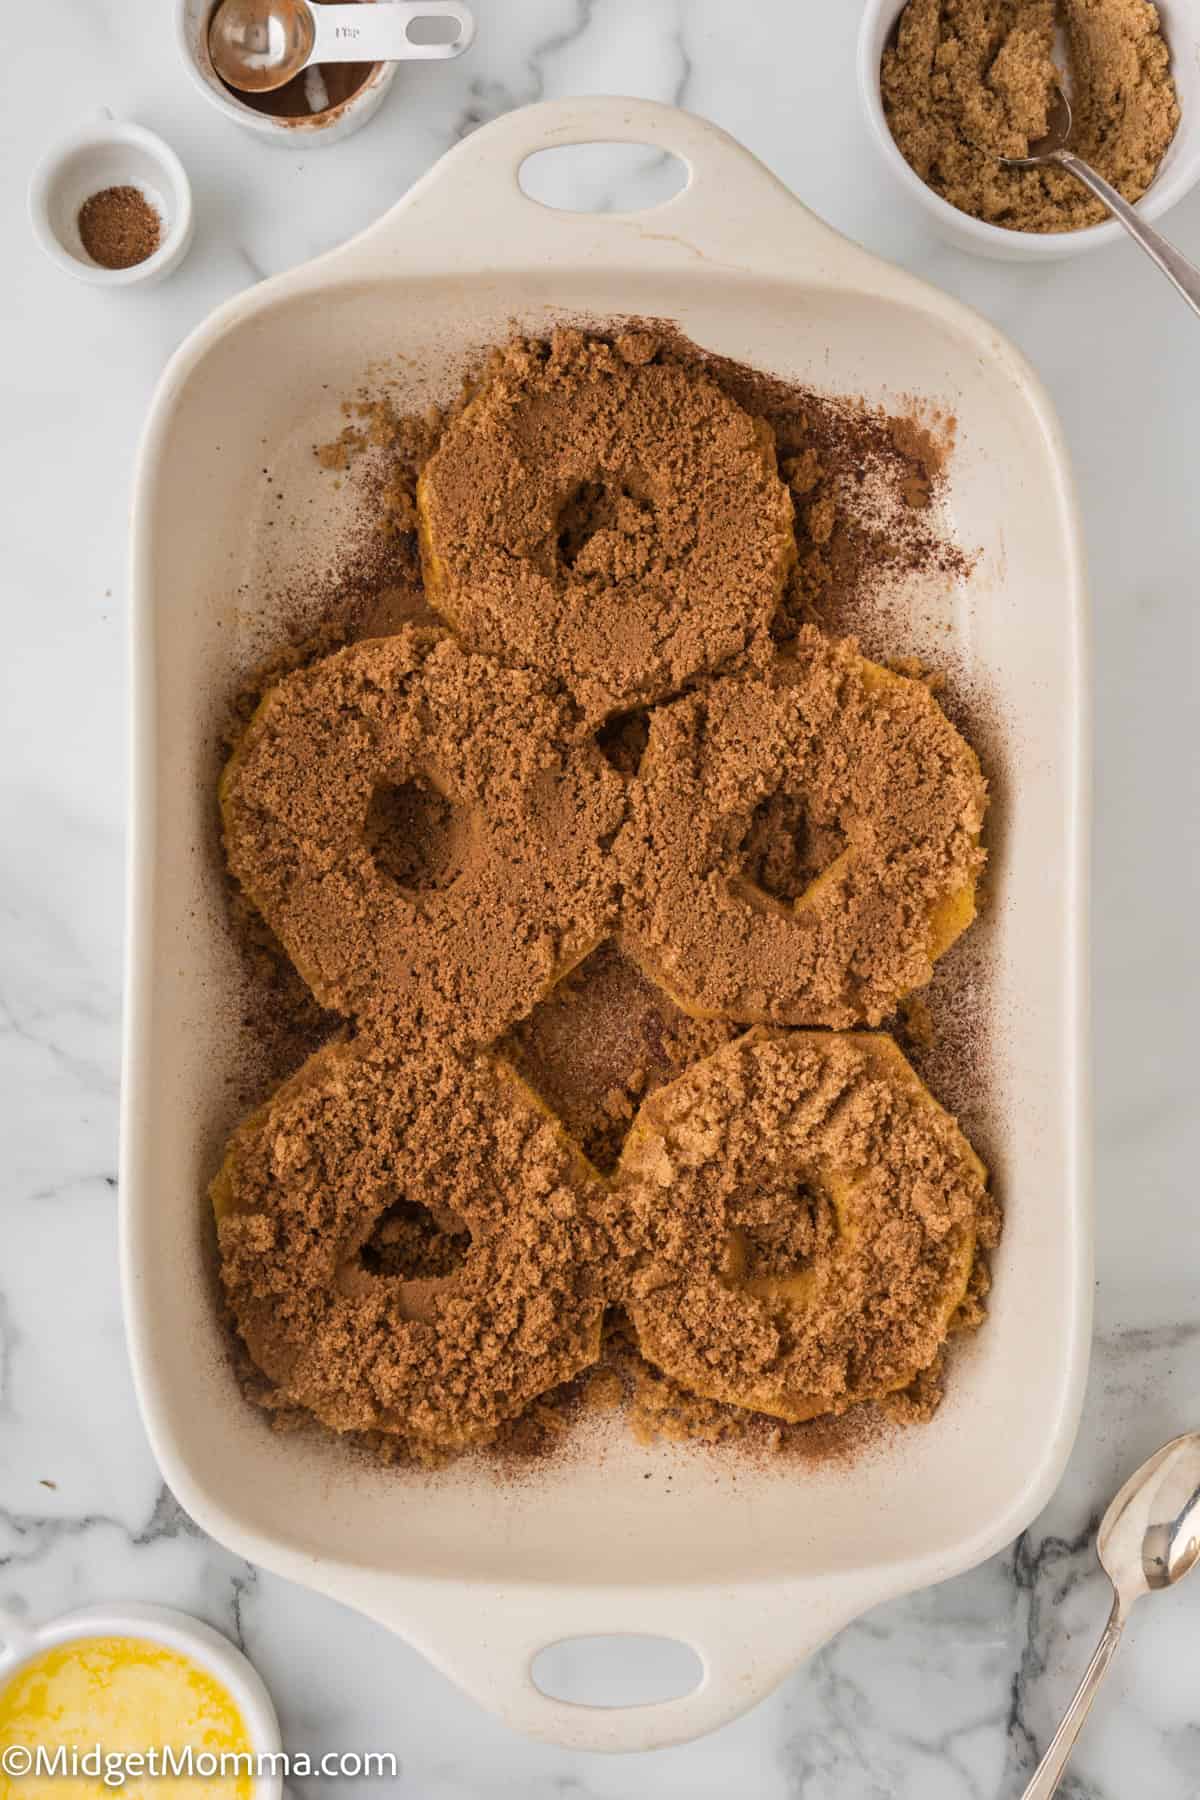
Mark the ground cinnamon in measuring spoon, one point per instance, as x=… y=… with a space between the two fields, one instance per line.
x=119 y=228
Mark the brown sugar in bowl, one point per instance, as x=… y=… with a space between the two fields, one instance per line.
x=1177 y=174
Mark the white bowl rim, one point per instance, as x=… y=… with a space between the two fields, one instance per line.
x=100 y=130
x=1034 y=245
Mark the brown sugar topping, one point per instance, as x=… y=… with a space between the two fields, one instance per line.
x=406 y=1246
x=425 y=832
x=615 y=521
x=807 y=1219
x=802 y=844
x=595 y=882
x=412 y=1246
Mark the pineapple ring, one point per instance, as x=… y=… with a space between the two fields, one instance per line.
x=819 y=1219
x=440 y=1360
x=892 y=801
x=522 y=888
x=578 y=515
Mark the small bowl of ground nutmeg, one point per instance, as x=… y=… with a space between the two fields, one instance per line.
x=111 y=204
x=952 y=87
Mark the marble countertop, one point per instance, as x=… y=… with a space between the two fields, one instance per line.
x=948 y=1695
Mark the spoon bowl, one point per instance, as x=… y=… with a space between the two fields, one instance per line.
x=1059 y=124
x=1150 y=1536
x=1149 y=1539
x=1053 y=151
x=257 y=46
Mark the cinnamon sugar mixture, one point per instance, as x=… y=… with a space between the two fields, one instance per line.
x=604 y=1041
x=844 y=1188
x=426 y=833
x=538 y=871
x=606 y=516
x=342 y=1323
x=794 y=838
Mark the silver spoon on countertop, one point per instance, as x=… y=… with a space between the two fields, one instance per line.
x=1149 y=1539
x=259 y=45
x=1054 y=151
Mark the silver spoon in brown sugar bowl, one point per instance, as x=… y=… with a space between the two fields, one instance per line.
x=1149 y=1539
x=1054 y=152
x=257 y=46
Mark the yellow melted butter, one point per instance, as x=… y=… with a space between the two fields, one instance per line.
x=125 y=1694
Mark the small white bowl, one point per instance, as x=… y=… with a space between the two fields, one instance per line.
x=1178 y=174
x=105 y=153
x=191 y=31
x=19 y=1643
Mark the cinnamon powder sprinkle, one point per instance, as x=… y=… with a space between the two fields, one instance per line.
x=807 y=1220
x=426 y=832
x=327 y=1267
x=606 y=516
x=801 y=845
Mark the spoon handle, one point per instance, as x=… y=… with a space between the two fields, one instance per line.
x=354 y=33
x=1049 y=1771
x=1176 y=268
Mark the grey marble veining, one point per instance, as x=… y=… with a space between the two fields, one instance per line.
x=947 y=1695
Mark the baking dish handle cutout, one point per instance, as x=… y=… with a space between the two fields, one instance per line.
x=625 y=1669
x=593 y=178
x=731 y=212
x=745 y=1641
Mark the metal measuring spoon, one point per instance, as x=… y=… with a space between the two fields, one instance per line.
x=1053 y=151
x=257 y=46
x=1149 y=1538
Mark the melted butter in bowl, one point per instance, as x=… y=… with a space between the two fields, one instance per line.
x=119 y=1696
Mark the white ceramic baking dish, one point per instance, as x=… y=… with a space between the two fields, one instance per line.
x=753 y=1567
